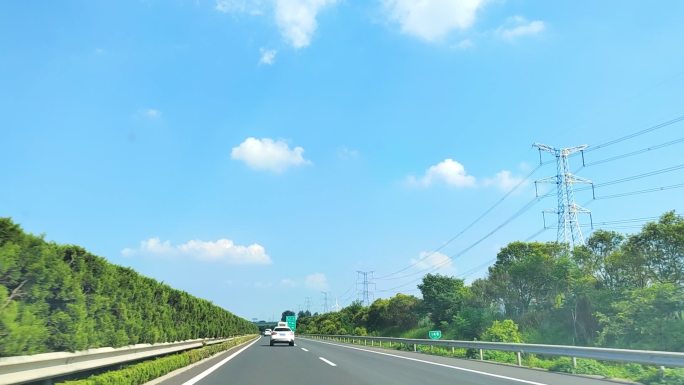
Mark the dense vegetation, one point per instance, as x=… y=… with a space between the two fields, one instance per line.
x=62 y=298
x=617 y=291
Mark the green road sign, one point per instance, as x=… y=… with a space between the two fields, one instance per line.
x=291 y=321
x=435 y=334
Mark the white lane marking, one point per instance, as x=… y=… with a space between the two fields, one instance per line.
x=327 y=362
x=304 y=349
x=436 y=364
x=223 y=361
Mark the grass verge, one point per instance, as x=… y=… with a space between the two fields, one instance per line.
x=142 y=372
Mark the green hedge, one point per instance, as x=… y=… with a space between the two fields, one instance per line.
x=56 y=298
x=143 y=372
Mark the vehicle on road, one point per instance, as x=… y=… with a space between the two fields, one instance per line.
x=267 y=332
x=282 y=334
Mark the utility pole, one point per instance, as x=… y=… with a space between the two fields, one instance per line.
x=325 y=301
x=365 y=293
x=569 y=229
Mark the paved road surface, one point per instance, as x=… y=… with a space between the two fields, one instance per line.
x=316 y=362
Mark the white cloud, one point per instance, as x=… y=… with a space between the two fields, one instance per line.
x=435 y=260
x=503 y=180
x=347 y=153
x=269 y=155
x=221 y=250
x=287 y=282
x=518 y=26
x=316 y=281
x=296 y=19
x=267 y=56
x=149 y=113
x=447 y=171
x=432 y=19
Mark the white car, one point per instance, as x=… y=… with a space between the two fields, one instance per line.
x=282 y=334
x=267 y=332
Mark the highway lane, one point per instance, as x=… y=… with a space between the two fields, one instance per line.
x=317 y=362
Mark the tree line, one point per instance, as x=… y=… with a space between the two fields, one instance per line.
x=617 y=290
x=62 y=298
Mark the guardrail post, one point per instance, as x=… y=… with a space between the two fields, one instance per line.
x=519 y=359
x=390 y=344
x=481 y=355
x=574 y=362
x=365 y=342
x=415 y=348
x=371 y=342
x=452 y=350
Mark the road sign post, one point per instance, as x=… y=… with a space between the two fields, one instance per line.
x=435 y=334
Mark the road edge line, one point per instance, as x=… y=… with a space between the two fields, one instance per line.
x=219 y=364
x=437 y=364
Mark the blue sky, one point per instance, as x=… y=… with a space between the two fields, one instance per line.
x=256 y=153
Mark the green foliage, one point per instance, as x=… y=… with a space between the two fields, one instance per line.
x=648 y=317
x=443 y=297
x=146 y=371
x=62 y=298
x=502 y=331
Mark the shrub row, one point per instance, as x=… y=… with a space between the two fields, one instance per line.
x=140 y=373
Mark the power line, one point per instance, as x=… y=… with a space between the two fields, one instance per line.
x=436 y=267
x=468 y=227
x=637 y=152
x=637 y=192
x=635 y=134
x=634 y=177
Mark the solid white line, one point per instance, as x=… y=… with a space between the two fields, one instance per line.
x=326 y=361
x=436 y=364
x=223 y=361
x=304 y=349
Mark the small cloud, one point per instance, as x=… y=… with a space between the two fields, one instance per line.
x=221 y=250
x=268 y=155
x=263 y=285
x=316 y=281
x=448 y=171
x=432 y=20
x=435 y=260
x=296 y=19
x=518 y=26
x=347 y=153
x=100 y=51
x=503 y=180
x=288 y=282
x=149 y=113
x=267 y=56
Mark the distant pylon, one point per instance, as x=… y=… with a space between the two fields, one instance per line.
x=325 y=301
x=308 y=304
x=569 y=229
x=365 y=293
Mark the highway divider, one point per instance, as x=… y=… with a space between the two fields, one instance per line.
x=47 y=366
x=647 y=357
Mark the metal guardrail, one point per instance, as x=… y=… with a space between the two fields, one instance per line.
x=648 y=357
x=46 y=366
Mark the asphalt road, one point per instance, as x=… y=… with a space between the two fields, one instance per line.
x=313 y=362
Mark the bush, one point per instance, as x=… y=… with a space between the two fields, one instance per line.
x=143 y=372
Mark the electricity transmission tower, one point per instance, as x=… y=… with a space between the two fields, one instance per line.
x=325 y=301
x=365 y=293
x=308 y=304
x=569 y=230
